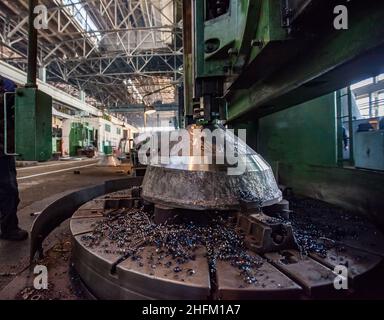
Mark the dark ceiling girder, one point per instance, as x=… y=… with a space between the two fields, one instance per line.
x=140 y=108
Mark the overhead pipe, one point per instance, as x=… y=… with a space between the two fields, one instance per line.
x=32 y=47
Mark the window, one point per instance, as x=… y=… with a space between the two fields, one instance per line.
x=362 y=83
x=78 y=10
x=380 y=104
x=363 y=105
x=107 y=128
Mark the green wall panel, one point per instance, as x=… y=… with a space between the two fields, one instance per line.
x=304 y=134
x=302 y=140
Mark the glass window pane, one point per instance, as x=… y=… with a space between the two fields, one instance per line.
x=363 y=105
x=381 y=104
x=362 y=83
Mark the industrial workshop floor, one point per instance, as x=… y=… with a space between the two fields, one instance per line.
x=39 y=186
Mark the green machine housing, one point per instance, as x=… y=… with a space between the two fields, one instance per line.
x=33 y=125
x=81 y=135
x=257 y=57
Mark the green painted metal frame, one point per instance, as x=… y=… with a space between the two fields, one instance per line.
x=233 y=32
x=267 y=68
x=331 y=62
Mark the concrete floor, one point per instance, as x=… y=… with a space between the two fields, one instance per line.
x=39 y=186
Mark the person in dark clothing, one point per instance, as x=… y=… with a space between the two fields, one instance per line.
x=9 y=193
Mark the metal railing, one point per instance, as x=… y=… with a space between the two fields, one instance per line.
x=6 y=94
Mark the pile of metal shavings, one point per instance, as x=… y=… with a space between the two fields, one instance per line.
x=317 y=225
x=309 y=241
x=133 y=229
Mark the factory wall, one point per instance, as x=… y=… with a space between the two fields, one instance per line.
x=301 y=143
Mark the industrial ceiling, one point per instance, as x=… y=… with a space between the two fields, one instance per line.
x=117 y=51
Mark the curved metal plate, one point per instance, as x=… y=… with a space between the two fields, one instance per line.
x=63 y=208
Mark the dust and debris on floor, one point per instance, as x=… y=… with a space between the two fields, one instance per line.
x=63 y=282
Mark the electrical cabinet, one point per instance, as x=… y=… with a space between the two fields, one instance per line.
x=369 y=149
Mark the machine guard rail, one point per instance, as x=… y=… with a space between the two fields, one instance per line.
x=62 y=209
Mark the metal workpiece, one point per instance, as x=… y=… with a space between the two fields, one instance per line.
x=202 y=190
x=196 y=181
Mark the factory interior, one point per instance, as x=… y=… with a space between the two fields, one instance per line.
x=278 y=192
